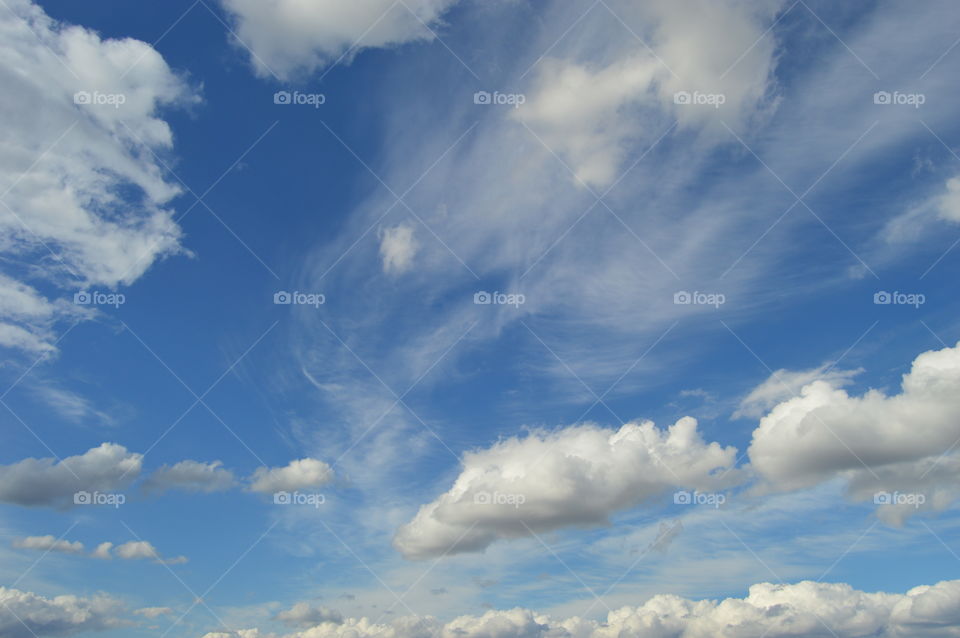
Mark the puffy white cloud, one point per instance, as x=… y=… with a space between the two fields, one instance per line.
x=47 y=482
x=802 y=609
x=575 y=476
x=786 y=384
x=287 y=36
x=825 y=431
x=49 y=543
x=298 y=474
x=142 y=550
x=193 y=476
x=398 y=247
x=86 y=196
x=949 y=203
x=304 y=615
x=153 y=612
x=26 y=615
x=103 y=551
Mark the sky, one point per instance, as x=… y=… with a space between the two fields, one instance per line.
x=479 y=318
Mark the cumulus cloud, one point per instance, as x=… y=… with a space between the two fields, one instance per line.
x=299 y=474
x=192 y=476
x=303 y=615
x=289 y=36
x=26 y=615
x=575 y=476
x=802 y=609
x=894 y=449
x=49 y=544
x=153 y=612
x=87 y=194
x=142 y=550
x=398 y=247
x=948 y=205
x=48 y=482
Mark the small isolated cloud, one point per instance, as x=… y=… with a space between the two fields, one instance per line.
x=298 y=475
x=398 y=247
x=948 y=206
x=191 y=476
x=153 y=612
x=24 y=614
x=303 y=616
x=49 y=544
x=784 y=384
x=575 y=476
x=287 y=37
x=135 y=550
x=48 y=482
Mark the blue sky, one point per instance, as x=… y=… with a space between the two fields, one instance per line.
x=556 y=268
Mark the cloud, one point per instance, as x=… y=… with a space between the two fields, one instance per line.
x=296 y=475
x=89 y=197
x=397 y=248
x=303 y=615
x=288 y=36
x=49 y=544
x=949 y=203
x=575 y=476
x=785 y=384
x=192 y=476
x=103 y=551
x=26 y=615
x=894 y=449
x=47 y=482
x=803 y=609
x=143 y=550
x=153 y=612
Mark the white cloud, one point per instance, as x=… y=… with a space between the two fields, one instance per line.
x=26 y=615
x=143 y=550
x=103 y=551
x=289 y=36
x=49 y=544
x=47 y=482
x=880 y=443
x=398 y=247
x=785 y=384
x=153 y=612
x=949 y=203
x=299 y=474
x=802 y=609
x=192 y=476
x=64 y=164
x=576 y=476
